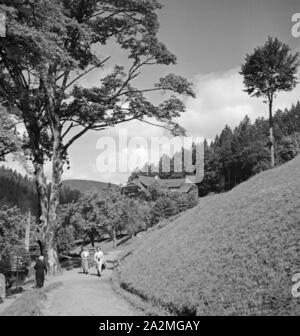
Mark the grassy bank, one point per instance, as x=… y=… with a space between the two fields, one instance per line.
x=234 y=254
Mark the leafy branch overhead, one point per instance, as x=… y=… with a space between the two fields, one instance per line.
x=10 y=140
x=49 y=48
x=52 y=45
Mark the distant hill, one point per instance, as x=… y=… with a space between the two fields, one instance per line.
x=85 y=186
x=233 y=254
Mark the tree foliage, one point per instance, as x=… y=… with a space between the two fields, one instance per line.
x=10 y=141
x=270 y=69
x=84 y=217
x=12 y=235
x=12 y=227
x=95 y=216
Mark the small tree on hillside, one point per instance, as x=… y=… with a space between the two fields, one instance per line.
x=270 y=69
x=88 y=217
x=288 y=148
x=136 y=215
x=113 y=213
x=69 y=229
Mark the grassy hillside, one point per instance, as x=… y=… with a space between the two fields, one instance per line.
x=87 y=186
x=234 y=254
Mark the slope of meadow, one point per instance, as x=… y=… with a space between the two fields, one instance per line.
x=234 y=254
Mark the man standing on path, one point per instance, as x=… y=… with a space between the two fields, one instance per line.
x=98 y=257
x=40 y=271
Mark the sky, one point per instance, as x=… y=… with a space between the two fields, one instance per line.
x=210 y=39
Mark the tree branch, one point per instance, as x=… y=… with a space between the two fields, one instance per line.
x=153 y=124
x=99 y=127
x=68 y=130
x=131 y=75
x=77 y=136
x=98 y=65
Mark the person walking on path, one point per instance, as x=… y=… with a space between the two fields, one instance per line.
x=98 y=258
x=85 y=260
x=40 y=271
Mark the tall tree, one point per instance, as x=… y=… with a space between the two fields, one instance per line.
x=136 y=215
x=113 y=213
x=87 y=215
x=50 y=45
x=270 y=69
x=226 y=154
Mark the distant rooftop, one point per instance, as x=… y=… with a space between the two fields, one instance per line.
x=144 y=182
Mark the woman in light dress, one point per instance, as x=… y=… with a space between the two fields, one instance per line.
x=85 y=260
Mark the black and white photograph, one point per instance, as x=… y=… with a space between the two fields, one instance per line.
x=149 y=161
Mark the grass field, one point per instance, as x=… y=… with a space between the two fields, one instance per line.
x=234 y=254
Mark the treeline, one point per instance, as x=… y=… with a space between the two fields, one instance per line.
x=237 y=154
x=18 y=190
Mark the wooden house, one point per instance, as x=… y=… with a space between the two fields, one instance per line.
x=142 y=183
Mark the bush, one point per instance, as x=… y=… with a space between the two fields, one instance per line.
x=65 y=239
x=288 y=148
x=171 y=204
x=12 y=234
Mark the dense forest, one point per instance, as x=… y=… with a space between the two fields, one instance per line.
x=237 y=154
x=18 y=190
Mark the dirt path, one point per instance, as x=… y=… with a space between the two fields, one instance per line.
x=86 y=295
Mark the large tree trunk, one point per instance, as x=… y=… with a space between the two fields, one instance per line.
x=49 y=84
x=53 y=223
x=272 y=152
x=48 y=202
x=42 y=192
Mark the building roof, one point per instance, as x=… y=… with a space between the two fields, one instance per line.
x=171 y=183
x=147 y=181
x=135 y=184
x=144 y=182
x=185 y=188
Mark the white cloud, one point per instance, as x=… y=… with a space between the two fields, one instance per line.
x=221 y=100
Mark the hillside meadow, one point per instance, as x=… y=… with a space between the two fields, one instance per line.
x=234 y=254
